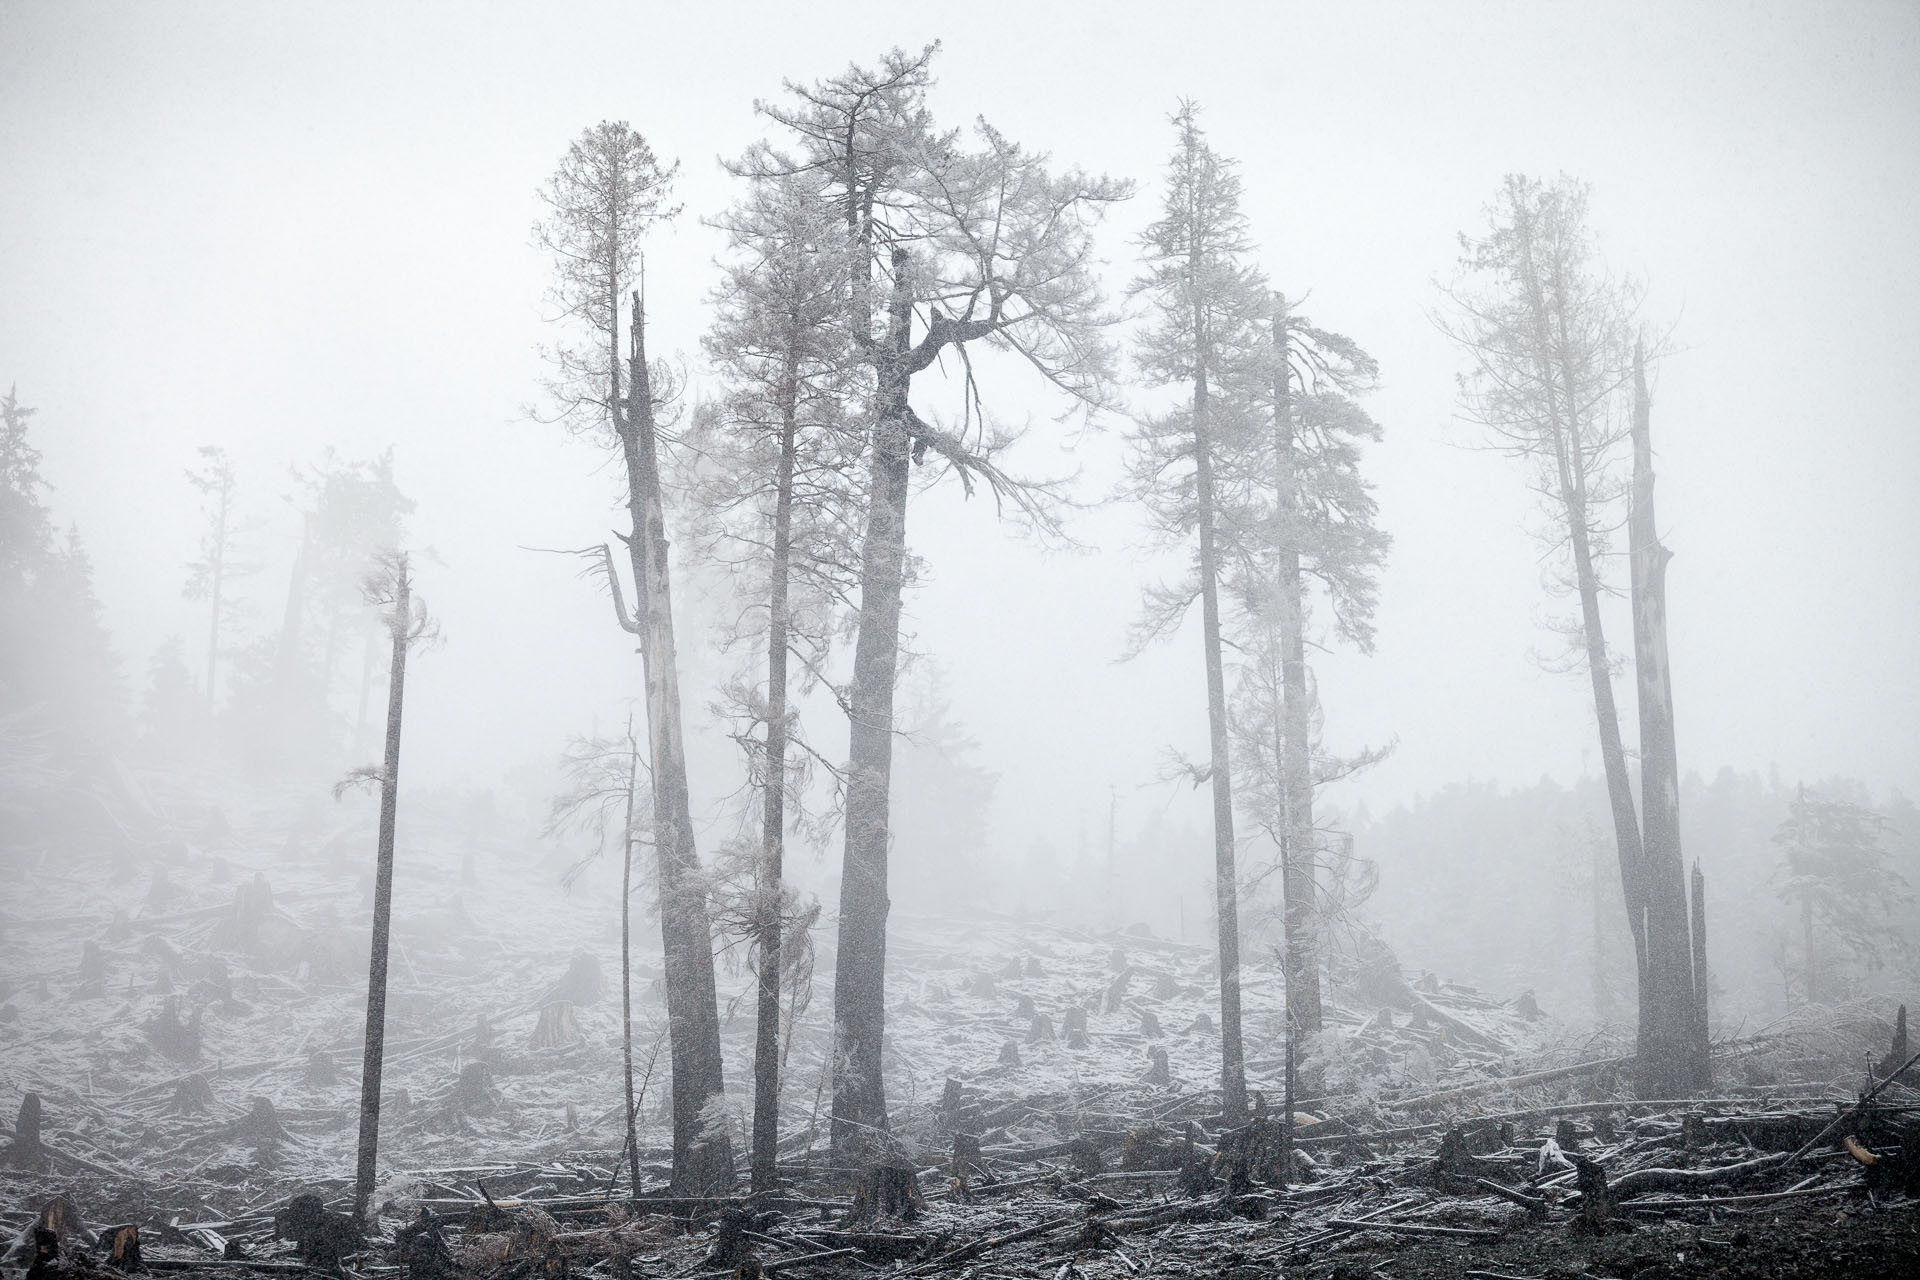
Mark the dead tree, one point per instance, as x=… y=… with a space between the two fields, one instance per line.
x=1548 y=341
x=1676 y=990
x=605 y=194
x=407 y=624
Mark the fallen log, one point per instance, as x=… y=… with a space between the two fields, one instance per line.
x=975 y=1248
x=1417 y=1228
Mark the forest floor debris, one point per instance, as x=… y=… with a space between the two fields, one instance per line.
x=181 y=1042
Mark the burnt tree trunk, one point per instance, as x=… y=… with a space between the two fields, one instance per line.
x=700 y=1164
x=773 y=822
x=859 y=975
x=1233 y=1083
x=1674 y=1053
x=376 y=1037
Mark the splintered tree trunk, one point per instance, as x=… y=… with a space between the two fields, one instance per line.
x=382 y=904
x=1296 y=780
x=1233 y=1081
x=1674 y=1051
x=773 y=822
x=700 y=1164
x=860 y=966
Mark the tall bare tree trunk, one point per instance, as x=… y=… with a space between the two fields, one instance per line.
x=1673 y=1000
x=376 y=1035
x=1297 y=855
x=701 y=1164
x=1226 y=889
x=773 y=822
x=626 y=962
x=860 y=965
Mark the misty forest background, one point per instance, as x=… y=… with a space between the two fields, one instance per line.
x=181 y=573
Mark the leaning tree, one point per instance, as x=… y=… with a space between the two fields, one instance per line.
x=1548 y=335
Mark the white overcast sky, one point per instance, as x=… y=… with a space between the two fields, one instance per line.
x=279 y=227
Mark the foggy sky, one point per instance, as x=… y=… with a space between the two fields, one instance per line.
x=281 y=227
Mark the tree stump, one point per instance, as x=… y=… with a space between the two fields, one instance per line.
x=1159 y=1074
x=252 y=905
x=123 y=1247
x=966 y=1156
x=556 y=1028
x=320 y=1070
x=887 y=1190
x=1151 y=1148
x=1150 y=1024
x=1117 y=990
x=27 y=1151
x=1202 y=1023
x=1596 y=1202
x=1165 y=987
x=474 y=1092
x=261 y=1128
x=1898 y=1053
x=1567 y=1134
x=982 y=985
x=192 y=1095
x=1009 y=1054
x=1075 y=1027
x=1014 y=968
x=1196 y=1171
x=324 y=1237
x=950 y=1102
x=93 y=963
x=175 y=1039
x=1024 y=1007
x=731 y=1247
x=423 y=1249
x=1117 y=959
x=1041 y=1028
x=1033 y=968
